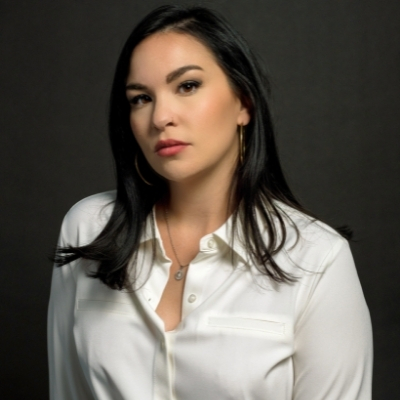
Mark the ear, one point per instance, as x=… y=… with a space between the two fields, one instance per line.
x=244 y=115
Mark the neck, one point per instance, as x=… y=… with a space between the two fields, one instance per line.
x=203 y=203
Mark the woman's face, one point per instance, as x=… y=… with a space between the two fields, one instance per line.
x=184 y=113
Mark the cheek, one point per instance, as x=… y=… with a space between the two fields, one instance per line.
x=137 y=122
x=134 y=123
x=219 y=103
x=217 y=114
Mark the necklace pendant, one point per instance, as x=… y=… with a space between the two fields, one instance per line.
x=179 y=275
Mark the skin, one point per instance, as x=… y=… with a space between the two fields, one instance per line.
x=178 y=91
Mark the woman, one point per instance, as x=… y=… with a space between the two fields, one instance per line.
x=210 y=279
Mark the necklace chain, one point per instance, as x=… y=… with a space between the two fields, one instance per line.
x=179 y=274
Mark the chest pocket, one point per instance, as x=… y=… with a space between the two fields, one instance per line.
x=245 y=323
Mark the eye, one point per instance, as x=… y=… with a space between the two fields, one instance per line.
x=188 y=87
x=140 y=100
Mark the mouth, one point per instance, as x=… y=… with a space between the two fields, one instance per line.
x=169 y=147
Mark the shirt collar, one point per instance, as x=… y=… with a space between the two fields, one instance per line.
x=236 y=243
x=150 y=231
x=223 y=233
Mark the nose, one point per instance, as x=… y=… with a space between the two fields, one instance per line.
x=163 y=114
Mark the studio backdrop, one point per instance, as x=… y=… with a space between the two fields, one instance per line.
x=335 y=73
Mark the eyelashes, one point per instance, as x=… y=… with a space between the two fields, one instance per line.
x=140 y=100
x=188 y=87
x=185 y=88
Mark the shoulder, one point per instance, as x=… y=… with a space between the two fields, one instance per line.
x=309 y=242
x=310 y=227
x=92 y=207
x=86 y=219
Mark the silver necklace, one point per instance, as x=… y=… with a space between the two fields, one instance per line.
x=179 y=274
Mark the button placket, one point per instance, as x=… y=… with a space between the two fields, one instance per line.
x=161 y=377
x=194 y=286
x=198 y=273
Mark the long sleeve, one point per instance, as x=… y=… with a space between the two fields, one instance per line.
x=333 y=345
x=67 y=381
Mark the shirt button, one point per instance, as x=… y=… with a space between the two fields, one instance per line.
x=192 y=298
x=211 y=244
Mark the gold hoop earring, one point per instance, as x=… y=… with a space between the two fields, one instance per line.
x=242 y=146
x=139 y=173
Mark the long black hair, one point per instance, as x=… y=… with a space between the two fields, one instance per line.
x=258 y=183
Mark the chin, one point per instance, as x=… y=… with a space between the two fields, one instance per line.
x=177 y=177
x=179 y=174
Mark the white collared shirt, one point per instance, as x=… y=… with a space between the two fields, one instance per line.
x=242 y=336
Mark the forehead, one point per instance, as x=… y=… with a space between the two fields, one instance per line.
x=163 y=52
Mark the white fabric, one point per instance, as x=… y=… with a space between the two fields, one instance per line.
x=241 y=336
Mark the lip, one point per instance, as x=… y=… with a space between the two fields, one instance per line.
x=169 y=147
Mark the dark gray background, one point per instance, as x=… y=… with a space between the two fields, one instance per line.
x=335 y=67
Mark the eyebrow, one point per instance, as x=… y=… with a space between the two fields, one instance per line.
x=170 y=77
x=180 y=71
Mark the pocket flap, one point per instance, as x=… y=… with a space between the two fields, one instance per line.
x=277 y=328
